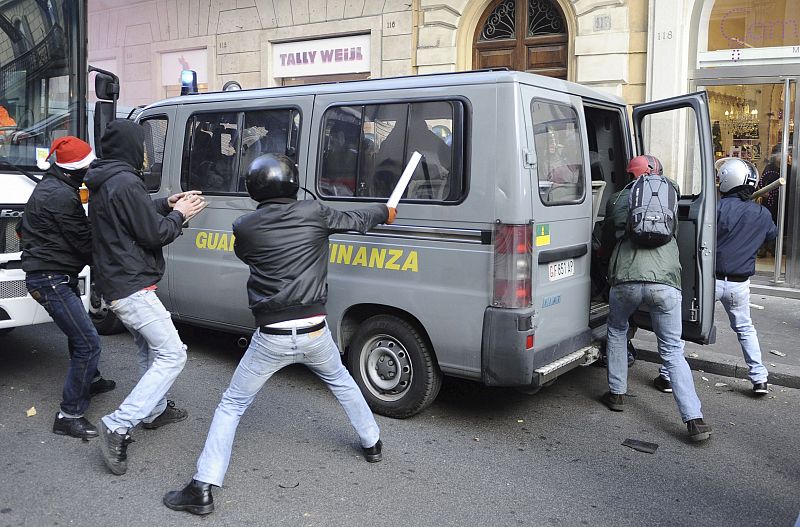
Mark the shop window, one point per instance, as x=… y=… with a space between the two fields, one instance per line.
x=559 y=158
x=217 y=157
x=155 y=140
x=744 y=24
x=364 y=150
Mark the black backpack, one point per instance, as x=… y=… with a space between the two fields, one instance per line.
x=652 y=210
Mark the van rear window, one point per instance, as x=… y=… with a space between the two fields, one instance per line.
x=559 y=153
x=365 y=148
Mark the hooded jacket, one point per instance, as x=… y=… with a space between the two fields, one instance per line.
x=285 y=244
x=55 y=230
x=742 y=227
x=128 y=228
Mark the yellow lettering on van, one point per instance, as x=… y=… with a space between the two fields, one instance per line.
x=332 y=250
x=345 y=253
x=361 y=257
x=223 y=242
x=411 y=262
x=394 y=255
x=201 y=240
x=377 y=257
x=213 y=239
x=233 y=240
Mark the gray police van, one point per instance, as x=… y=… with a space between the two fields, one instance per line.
x=488 y=272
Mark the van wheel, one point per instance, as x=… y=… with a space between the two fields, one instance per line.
x=394 y=366
x=105 y=322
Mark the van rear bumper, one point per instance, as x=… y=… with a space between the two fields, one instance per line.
x=506 y=362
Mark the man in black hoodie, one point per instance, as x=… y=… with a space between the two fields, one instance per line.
x=56 y=245
x=128 y=233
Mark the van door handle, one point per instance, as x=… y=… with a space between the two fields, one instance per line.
x=554 y=255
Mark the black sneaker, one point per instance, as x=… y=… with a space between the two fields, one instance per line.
x=662 y=384
x=169 y=415
x=101 y=386
x=195 y=498
x=698 y=430
x=760 y=389
x=614 y=401
x=373 y=454
x=78 y=427
x=114 y=449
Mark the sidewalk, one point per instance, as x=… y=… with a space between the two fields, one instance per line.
x=778 y=327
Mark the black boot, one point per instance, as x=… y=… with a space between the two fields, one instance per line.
x=195 y=498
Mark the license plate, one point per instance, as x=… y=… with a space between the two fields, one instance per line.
x=560 y=269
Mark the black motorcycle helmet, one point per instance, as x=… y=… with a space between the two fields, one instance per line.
x=272 y=176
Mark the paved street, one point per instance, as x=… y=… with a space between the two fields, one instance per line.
x=478 y=456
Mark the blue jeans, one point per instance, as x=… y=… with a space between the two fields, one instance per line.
x=266 y=355
x=735 y=298
x=161 y=357
x=58 y=293
x=664 y=303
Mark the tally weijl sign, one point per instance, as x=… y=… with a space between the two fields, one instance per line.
x=329 y=56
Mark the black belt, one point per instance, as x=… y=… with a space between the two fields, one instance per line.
x=288 y=331
x=732 y=277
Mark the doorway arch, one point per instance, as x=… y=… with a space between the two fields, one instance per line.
x=523 y=35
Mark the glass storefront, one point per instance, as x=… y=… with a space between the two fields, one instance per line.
x=748 y=62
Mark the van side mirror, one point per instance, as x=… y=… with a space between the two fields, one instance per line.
x=104 y=113
x=106 y=87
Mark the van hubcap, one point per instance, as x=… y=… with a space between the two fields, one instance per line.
x=386 y=367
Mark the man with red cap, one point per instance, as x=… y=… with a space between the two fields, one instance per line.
x=647 y=274
x=56 y=245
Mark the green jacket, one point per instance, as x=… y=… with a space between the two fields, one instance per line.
x=633 y=263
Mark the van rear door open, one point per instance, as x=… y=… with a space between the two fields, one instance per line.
x=678 y=132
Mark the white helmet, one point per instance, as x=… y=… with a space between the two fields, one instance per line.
x=733 y=172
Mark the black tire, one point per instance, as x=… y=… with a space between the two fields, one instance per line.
x=406 y=378
x=105 y=322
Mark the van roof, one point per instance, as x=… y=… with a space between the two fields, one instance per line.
x=394 y=83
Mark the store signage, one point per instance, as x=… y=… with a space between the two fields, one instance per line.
x=174 y=62
x=327 y=56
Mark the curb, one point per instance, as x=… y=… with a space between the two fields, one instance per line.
x=720 y=364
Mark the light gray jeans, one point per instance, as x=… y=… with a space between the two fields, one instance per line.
x=161 y=356
x=664 y=303
x=266 y=355
x=735 y=298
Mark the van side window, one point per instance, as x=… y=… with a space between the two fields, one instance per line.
x=268 y=132
x=559 y=157
x=155 y=140
x=209 y=162
x=364 y=149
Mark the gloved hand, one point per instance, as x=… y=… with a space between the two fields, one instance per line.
x=392 y=215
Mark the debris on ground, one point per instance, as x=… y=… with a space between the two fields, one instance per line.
x=704 y=378
x=31 y=411
x=720 y=384
x=289 y=485
x=778 y=353
x=694 y=355
x=756 y=306
x=641 y=446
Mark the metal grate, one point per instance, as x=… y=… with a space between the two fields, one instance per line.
x=13 y=289
x=9 y=242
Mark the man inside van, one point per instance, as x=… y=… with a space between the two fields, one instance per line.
x=128 y=233
x=56 y=245
x=742 y=227
x=649 y=275
x=285 y=244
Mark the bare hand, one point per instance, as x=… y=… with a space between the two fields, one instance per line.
x=172 y=200
x=392 y=215
x=190 y=206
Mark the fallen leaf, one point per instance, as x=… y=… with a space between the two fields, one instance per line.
x=31 y=411
x=778 y=353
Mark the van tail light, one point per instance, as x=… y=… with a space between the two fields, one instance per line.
x=513 y=256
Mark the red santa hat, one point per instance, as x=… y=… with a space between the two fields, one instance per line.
x=71 y=154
